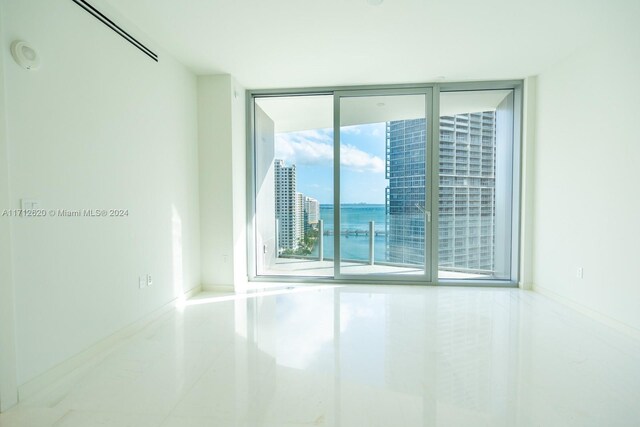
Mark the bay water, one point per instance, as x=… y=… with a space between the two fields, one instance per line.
x=354 y=217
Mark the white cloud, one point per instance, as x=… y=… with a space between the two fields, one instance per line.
x=356 y=159
x=313 y=148
x=302 y=150
x=353 y=130
x=323 y=135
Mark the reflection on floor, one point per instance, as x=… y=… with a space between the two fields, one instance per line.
x=355 y=356
x=315 y=268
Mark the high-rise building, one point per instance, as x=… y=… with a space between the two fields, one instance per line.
x=312 y=211
x=299 y=215
x=405 y=170
x=286 y=203
x=295 y=212
x=467 y=191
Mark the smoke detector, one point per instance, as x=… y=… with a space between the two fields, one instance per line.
x=25 y=55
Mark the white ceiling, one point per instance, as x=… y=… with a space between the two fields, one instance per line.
x=296 y=43
x=452 y=103
x=297 y=113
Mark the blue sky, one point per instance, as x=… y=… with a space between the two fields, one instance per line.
x=362 y=162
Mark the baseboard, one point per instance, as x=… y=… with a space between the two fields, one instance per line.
x=218 y=288
x=98 y=351
x=525 y=286
x=602 y=318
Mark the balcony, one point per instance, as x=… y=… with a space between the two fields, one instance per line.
x=314 y=268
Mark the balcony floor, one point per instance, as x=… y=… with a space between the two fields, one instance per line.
x=314 y=268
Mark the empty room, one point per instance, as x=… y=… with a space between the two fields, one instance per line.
x=341 y=213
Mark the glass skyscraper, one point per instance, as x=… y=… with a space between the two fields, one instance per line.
x=467 y=191
x=405 y=170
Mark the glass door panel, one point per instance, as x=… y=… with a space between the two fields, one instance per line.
x=294 y=185
x=384 y=201
x=476 y=185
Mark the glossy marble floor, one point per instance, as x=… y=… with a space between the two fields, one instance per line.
x=356 y=356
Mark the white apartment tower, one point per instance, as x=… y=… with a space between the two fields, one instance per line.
x=311 y=210
x=287 y=221
x=300 y=215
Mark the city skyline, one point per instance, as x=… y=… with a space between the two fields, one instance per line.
x=467 y=182
x=296 y=214
x=361 y=157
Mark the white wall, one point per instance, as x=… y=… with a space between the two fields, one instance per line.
x=587 y=209
x=99 y=126
x=221 y=141
x=8 y=385
x=216 y=209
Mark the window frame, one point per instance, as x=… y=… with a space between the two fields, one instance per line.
x=434 y=116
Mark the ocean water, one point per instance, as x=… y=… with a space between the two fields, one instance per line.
x=354 y=217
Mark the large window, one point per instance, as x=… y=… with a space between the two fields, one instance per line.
x=357 y=185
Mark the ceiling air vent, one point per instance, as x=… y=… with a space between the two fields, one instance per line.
x=109 y=23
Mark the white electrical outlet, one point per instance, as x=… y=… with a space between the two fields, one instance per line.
x=149 y=280
x=225 y=259
x=142 y=282
x=580 y=273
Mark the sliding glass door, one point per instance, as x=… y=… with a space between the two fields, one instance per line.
x=409 y=184
x=382 y=208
